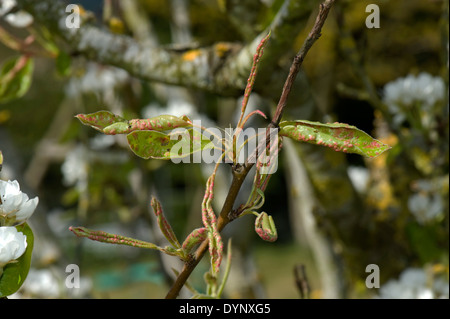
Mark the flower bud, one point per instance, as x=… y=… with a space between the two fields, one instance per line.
x=265 y=227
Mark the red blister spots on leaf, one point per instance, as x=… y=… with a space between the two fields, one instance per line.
x=99 y=120
x=340 y=137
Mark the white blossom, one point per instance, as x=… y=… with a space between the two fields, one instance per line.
x=404 y=92
x=19 y=19
x=175 y=108
x=15 y=206
x=12 y=245
x=425 y=207
x=414 y=283
x=42 y=283
x=101 y=141
x=97 y=79
x=359 y=177
x=75 y=167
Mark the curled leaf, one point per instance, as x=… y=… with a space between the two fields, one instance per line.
x=251 y=79
x=340 y=137
x=109 y=238
x=176 y=145
x=105 y=237
x=265 y=227
x=159 y=123
x=100 y=120
x=193 y=239
x=164 y=225
x=210 y=222
x=111 y=124
x=117 y=128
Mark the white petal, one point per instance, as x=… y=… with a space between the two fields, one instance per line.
x=20 y=19
x=27 y=209
x=12 y=244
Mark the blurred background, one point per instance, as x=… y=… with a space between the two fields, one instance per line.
x=335 y=213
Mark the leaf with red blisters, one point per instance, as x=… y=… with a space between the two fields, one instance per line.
x=338 y=136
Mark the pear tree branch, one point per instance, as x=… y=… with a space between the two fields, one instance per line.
x=240 y=173
x=221 y=68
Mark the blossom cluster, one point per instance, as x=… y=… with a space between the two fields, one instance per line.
x=415 y=283
x=413 y=98
x=424 y=88
x=15 y=208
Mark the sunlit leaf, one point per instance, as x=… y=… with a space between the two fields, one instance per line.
x=112 y=124
x=99 y=120
x=176 y=145
x=338 y=136
x=159 y=123
x=14 y=274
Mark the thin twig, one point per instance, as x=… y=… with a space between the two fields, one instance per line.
x=240 y=171
x=313 y=35
x=301 y=280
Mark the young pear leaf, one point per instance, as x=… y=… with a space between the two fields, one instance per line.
x=210 y=222
x=265 y=227
x=176 y=145
x=100 y=120
x=109 y=238
x=159 y=123
x=338 y=136
x=111 y=124
x=197 y=236
x=163 y=224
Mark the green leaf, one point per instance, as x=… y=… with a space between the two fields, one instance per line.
x=159 y=123
x=111 y=124
x=104 y=237
x=63 y=63
x=338 y=136
x=196 y=237
x=109 y=238
x=176 y=145
x=15 y=78
x=14 y=274
x=99 y=120
x=423 y=241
